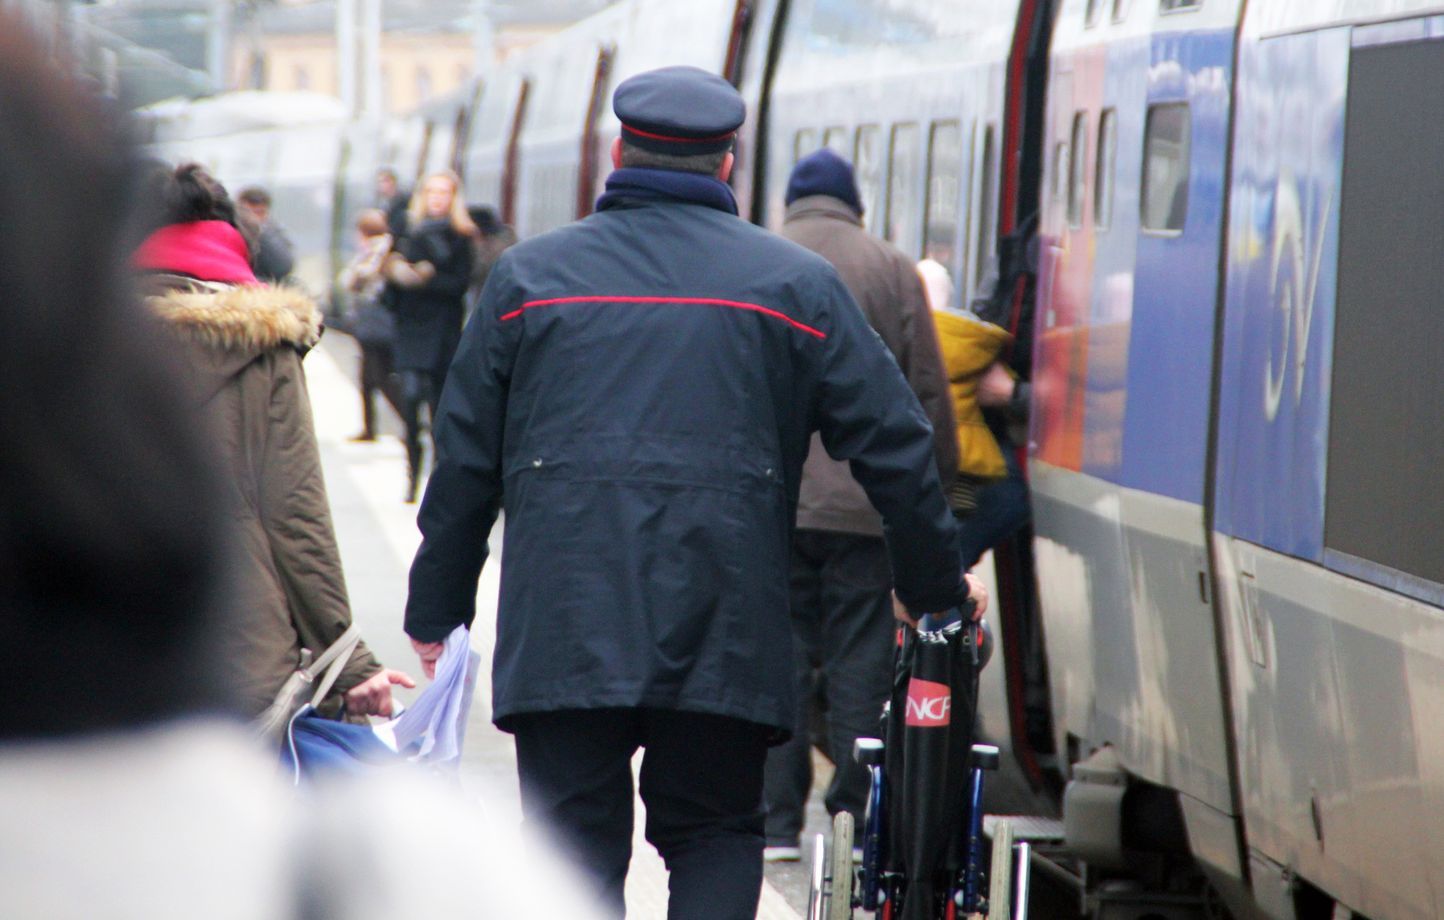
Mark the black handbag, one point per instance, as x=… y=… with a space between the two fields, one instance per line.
x=372 y=324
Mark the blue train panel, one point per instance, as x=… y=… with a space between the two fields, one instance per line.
x=1175 y=288
x=1280 y=291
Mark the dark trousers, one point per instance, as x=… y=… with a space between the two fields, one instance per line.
x=418 y=388
x=843 y=634
x=1002 y=509
x=701 y=781
x=376 y=375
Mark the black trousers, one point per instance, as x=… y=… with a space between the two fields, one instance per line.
x=418 y=388
x=843 y=637
x=701 y=781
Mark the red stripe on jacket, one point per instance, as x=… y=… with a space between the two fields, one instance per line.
x=702 y=301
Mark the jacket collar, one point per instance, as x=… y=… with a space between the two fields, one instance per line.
x=245 y=318
x=822 y=206
x=629 y=186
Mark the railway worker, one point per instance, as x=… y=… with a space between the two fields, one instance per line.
x=841 y=584
x=638 y=389
x=275 y=255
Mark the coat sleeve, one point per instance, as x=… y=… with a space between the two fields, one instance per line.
x=297 y=518
x=464 y=493
x=451 y=255
x=868 y=415
x=923 y=368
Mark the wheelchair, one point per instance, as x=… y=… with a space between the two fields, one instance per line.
x=922 y=837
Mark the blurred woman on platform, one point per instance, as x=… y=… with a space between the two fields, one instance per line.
x=428 y=273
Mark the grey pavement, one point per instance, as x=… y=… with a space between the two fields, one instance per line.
x=378 y=538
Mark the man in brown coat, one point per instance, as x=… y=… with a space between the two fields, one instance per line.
x=841 y=582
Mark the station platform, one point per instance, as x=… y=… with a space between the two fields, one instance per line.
x=378 y=538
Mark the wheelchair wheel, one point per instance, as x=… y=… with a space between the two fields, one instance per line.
x=839 y=904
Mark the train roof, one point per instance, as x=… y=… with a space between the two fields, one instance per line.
x=244 y=110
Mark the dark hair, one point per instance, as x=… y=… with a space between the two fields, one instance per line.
x=706 y=163
x=255 y=195
x=188 y=193
x=109 y=536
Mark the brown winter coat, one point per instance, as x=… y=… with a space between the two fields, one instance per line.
x=885 y=283
x=241 y=351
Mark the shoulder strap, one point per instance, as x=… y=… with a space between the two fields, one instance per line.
x=333 y=660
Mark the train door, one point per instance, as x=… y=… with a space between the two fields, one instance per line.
x=1010 y=173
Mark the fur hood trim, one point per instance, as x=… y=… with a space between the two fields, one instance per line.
x=245 y=317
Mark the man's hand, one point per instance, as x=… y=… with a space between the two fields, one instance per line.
x=977 y=593
x=995 y=386
x=372 y=697
x=430 y=653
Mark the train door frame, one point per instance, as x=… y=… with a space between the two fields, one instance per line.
x=1021 y=156
x=512 y=169
x=591 y=152
x=761 y=133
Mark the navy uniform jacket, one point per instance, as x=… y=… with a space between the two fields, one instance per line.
x=638 y=390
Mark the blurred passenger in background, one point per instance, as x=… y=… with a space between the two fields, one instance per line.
x=368 y=320
x=493 y=238
x=429 y=272
x=392 y=199
x=241 y=344
x=275 y=255
x=841 y=582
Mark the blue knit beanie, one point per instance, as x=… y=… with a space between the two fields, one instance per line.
x=824 y=173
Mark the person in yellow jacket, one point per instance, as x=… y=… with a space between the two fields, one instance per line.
x=970 y=348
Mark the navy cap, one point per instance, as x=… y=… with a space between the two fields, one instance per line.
x=679 y=111
x=824 y=173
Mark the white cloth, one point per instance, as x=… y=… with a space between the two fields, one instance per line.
x=433 y=727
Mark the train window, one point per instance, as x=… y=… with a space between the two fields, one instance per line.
x=1120 y=10
x=945 y=167
x=1382 y=501
x=1169 y=6
x=867 y=165
x=987 y=207
x=1164 y=195
x=1078 y=174
x=803 y=143
x=835 y=139
x=1103 y=169
x=903 y=213
x=1090 y=14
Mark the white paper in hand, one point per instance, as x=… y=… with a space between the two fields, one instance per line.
x=432 y=728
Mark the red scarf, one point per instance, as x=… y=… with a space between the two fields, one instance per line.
x=211 y=250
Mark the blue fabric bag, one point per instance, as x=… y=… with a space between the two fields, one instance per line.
x=317 y=747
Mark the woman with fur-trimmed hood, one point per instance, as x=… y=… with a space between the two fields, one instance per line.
x=241 y=344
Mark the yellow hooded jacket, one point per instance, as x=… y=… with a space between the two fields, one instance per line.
x=969 y=345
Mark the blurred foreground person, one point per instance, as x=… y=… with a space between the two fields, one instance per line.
x=429 y=272
x=639 y=389
x=241 y=345
x=368 y=320
x=841 y=583
x=123 y=795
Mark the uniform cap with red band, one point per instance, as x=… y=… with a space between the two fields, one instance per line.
x=681 y=111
